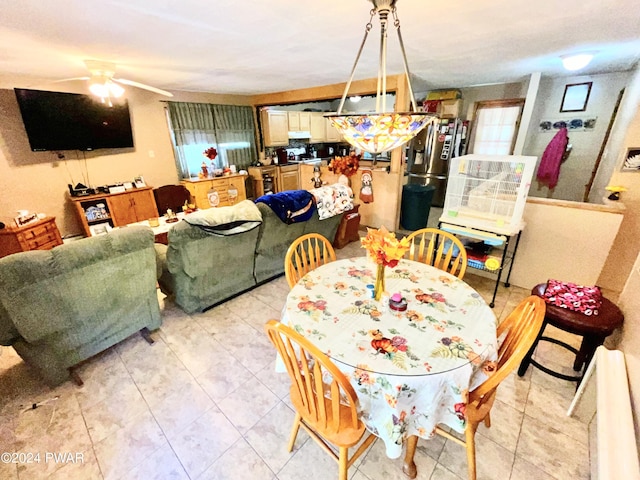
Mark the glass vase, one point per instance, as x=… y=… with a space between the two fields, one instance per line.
x=378 y=287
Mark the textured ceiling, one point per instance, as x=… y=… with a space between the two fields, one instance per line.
x=262 y=46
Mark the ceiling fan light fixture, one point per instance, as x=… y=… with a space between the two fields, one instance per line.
x=105 y=88
x=381 y=131
x=577 y=61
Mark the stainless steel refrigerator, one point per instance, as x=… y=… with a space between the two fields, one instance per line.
x=430 y=151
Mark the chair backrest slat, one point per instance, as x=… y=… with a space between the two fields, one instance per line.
x=520 y=330
x=435 y=247
x=322 y=388
x=307 y=253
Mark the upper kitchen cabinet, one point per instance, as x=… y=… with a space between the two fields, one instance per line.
x=299 y=121
x=331 y=134
x=318 y=130
x=275 y=128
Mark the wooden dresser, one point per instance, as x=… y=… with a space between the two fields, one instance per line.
x=40 y=235
x=200 y=189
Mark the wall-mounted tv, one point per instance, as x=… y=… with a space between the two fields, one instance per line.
x=71 y=121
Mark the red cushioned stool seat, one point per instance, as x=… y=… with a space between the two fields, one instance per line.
x=593 y=329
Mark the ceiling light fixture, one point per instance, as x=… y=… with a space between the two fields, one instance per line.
x=381 y=131
x=576 y=62
x=355 y=99
x=103 y=87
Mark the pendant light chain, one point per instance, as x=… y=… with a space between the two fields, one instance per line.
x=396 y=23
x=367 y=29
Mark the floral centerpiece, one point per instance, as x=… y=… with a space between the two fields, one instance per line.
x=386 y=250
x=346 y=166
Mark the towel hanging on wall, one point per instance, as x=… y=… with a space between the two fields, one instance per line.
x=549 y=168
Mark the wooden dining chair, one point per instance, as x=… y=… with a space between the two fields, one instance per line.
x=305 y=254
x=171 y=196
x=517 y=333
x=437 y=248
x=325 y=402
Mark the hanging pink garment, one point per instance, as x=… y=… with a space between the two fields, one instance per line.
x=549 y=168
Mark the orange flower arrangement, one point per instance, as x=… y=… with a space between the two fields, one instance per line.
x=383 y=246
x=345 y=165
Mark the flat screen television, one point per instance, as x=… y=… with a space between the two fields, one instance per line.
x=71 y=121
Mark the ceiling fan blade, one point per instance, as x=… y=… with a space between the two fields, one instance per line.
x=142 y=85
x=70 y=79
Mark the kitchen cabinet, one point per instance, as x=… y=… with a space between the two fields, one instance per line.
x=40 y=235
x=299 y=121
x=318 y=130
x=257 y=176
x=229 y=189
x=331 y=133
x=115 y=209
x=288 y=178
x=275 y=128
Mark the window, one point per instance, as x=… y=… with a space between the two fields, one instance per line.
x=198 y=126
x=495 y=126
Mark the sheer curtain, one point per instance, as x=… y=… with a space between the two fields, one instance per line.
x=198 y=126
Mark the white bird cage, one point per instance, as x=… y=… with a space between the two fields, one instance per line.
x=488 y=192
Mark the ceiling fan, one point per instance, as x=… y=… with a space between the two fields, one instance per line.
x=103 y=84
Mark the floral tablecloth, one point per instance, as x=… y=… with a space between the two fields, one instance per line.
x=411 y=370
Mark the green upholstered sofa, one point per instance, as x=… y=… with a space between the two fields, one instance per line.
x=62 y=306
x=200 y=269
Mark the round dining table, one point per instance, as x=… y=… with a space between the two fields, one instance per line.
x=411 y=369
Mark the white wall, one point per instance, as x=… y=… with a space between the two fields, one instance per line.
x=564 y=240
x=576 y=170
x=629 y=303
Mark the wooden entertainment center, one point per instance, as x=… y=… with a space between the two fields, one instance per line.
x=115 y=209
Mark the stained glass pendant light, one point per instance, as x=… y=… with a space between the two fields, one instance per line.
x=381 y=131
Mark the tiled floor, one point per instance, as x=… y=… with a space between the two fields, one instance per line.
x=204 y=402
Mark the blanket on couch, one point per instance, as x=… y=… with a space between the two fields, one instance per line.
x=225 y=221
x=332 y=200
x=290 y=206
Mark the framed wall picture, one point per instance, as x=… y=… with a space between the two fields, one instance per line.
x=576 y=97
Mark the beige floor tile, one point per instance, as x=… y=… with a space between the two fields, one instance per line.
x=376 y=464
x=442 y=473
x=270 y=436
x=161 y=465
x=222 y=380
x=246 y=405
x=204 y=441
x=116 y=410
x=550 y=407
x=178 y=410
x=278 y=382
x=310 y=462
x=129 y=446
x=83 y=467
x=493 y=462
x=238 y=462
x=505 y=426
x=433 y=446
x=523 y=470
x=552 y=451
x=514 y=390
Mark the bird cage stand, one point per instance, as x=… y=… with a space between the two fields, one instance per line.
x=484 y=205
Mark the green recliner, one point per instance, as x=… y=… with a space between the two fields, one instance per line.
x=62 y=306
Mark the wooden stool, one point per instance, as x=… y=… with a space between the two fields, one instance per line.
x=593 y=329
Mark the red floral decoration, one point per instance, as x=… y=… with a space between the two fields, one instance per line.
x=211 y=153
x=345 y=165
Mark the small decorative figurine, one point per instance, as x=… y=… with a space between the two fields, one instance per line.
x=205 y=170
x=397 y=303
x=317 y=181
x=366 y=190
